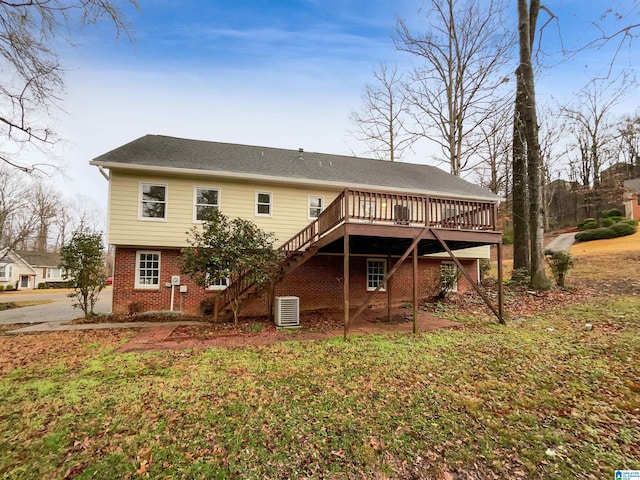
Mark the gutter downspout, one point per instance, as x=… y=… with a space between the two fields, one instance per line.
x=104 y=174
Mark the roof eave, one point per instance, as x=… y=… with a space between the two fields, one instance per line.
x=283 y=180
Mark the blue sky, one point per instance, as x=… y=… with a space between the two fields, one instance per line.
x=275 y=73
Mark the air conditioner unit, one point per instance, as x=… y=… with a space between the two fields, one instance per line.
x=287 y=311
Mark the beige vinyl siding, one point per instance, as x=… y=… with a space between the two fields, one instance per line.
x=289 y=210
x=483 y=251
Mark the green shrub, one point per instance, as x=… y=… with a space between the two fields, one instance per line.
x=485 y=268
x=616 y=230
x=560 y=262
x=623 y=229
x=256 y=327
x=42 y=286
x=208 y=306
x=588 y=224
x=135 y=308
x=604 y=232
x=9 y=288
x=507 y=237
x=631 y=221
x=608 y=221
x=1 y=288
x=614 y=212
x=519 y=276
x=617 y=219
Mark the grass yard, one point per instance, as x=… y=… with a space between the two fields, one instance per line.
x=541 y=397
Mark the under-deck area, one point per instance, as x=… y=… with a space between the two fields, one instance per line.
x=379 y=223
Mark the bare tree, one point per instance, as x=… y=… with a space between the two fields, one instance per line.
x=589 y=121
x=493 y=154
x=32 y=77
x=463 y=51
x=552 y=156
x=381 y=119
x=629 y=142
x=17 y=222
x=45 y=206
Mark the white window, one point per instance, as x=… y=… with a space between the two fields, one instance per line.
x=316 y=204
x=204 y=200
x=53 y=274
x=153 y=201
x=147 y=270
x=376 y=271
x=6 y=271
x=263 y=204
x=448 y=277
x=217 y=283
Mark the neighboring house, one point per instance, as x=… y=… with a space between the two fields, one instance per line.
x=342 y=222
x=47 y=267
x=15 y=271
x=632 y=198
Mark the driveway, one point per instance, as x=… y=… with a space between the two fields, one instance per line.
x=58 y=311
x=562 y=242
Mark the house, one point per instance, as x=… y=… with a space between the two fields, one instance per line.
x=15 y=271
x=632 y=198
x=46 y=266
x=343 y=223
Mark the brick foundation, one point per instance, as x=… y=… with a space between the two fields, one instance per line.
x=318 y=283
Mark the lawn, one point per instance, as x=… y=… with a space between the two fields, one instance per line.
x=542 y=397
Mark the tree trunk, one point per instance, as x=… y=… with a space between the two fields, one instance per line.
x=520 y=194
x=526 y=28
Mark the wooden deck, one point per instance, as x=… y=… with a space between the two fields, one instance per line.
x=370 y=214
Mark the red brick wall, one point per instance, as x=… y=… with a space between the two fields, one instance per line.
x=318 y=283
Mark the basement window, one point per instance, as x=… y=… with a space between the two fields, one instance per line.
x=147 y=270
x=376 y=271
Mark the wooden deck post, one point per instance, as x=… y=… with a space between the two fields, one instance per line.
x=345 y=286
x=467 y=276
x=389 y=274
x=500 y=285
x=389 y=282
x=415 y=289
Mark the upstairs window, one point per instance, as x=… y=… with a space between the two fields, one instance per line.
x=263 y=204
x=376 y=271
x=205 y=200
x=316 y=204
x=153 y=201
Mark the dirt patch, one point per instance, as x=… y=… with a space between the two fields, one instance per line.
x=152 y=317
x=262 y=331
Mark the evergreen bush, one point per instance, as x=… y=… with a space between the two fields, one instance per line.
x=623 y=229
x=614 y=212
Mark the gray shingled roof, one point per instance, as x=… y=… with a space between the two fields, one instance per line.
x=170 y=152
x=40 y=259
x=633 y=184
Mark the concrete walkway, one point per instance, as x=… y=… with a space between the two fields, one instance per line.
x=562 y=242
